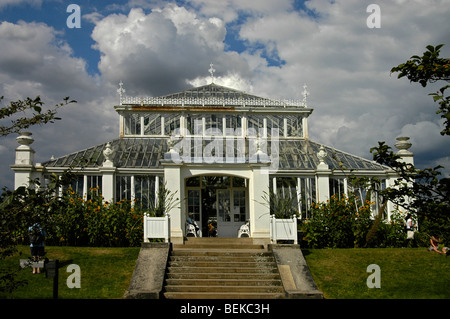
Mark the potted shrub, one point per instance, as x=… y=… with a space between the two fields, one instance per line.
x=157 y=219
x=283 y=221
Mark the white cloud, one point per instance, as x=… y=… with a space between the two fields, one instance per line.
x=163 y=50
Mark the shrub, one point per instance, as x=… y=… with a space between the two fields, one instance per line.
x=78 y=221
x=338 y=223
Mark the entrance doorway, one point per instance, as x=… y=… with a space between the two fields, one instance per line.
x=220 y=201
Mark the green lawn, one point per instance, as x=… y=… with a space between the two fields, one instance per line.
x=405 y=273
x=340 y=273
x=105 y=273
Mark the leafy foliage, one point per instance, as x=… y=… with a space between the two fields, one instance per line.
x=430 y=68
x=37 y=117
x=422 y=192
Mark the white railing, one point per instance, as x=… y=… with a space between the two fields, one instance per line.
x=283 y=229
x=157 y=227
x=209 y=102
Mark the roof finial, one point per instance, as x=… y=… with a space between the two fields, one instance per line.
x=305 y=94
x=121 y=91
x=211 y=71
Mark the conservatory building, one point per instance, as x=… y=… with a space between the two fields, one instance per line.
x=220 y=151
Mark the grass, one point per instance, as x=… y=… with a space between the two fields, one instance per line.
x=406 y=273
x=105 y=273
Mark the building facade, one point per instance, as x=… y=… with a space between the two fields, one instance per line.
x=220 y=150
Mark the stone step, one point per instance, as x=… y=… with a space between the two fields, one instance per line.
x=219 y=288
x=218 y=240
x=222 y=263
x=222 y=276
x=220 y=252
x=217 y=246
x=220 y=270
x=223 y=295
x=248 y=281
x=221 y=258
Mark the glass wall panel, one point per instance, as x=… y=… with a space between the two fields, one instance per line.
x=76 y=184
x=194 y=124
x=294 y=125
x=194 y=206
x=234 y=123
x=145 y=191
x=213 y=124
x=239 y=205
x=152 y=124
x=132 y=124
x=275 y=122
x=255 y=124
x=171 y=122
x=94 y=184
x=123 y=187
x=337 y=187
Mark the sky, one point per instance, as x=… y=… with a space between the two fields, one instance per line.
x=269 y=48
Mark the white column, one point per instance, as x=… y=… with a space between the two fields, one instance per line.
x=259 y=213
x=24 y=162
x=108 y=170
x=323 y=177
x=174 y=183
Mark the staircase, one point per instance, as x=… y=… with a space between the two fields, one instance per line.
x=222 y=268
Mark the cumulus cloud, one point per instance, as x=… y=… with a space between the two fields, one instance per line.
x=157 y=53
x=159 y=47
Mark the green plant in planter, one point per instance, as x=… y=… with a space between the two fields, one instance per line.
x=279 y=205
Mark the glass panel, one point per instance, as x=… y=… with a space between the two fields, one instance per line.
x=152 y=124
x=132 y=124
x=238 y=182
x=76 y=184
x=213 y=125
x=171 y=123
x=233 y=122
x=337 y=187
x=287 y=188
x=275 y=122
x=307 y=189
x=223 y=205
x=123 y=188
x=255 y=123
x=194 y=203
x=144 y=191
x=94 y=184
x=194 y=124
x=216 y=181
x=193 y=181
x=239 y=206
x=294 y=125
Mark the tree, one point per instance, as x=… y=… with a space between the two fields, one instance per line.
x=430 y=68
x=23 y=206
x=37 y=117
x=422 y=192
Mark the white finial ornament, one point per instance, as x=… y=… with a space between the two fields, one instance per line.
x=121 y=91
x=211 y=71
x=305 y=94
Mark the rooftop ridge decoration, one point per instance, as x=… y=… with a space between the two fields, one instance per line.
x=211 y=95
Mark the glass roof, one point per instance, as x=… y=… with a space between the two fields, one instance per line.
x=210 y=95
x=298 y=154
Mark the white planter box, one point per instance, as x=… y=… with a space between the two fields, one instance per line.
x=157 y=227
x=283 y=229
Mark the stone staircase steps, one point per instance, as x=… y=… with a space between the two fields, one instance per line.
x=222 y=268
